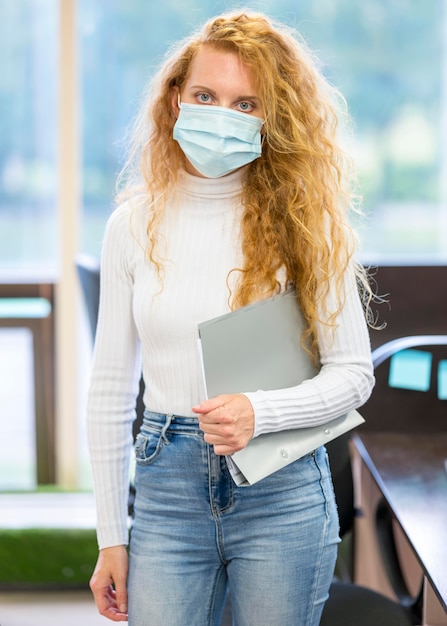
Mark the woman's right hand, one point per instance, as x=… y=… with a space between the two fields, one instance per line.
x=108 y=583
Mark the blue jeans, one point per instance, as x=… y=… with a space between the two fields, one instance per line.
x=195 y=534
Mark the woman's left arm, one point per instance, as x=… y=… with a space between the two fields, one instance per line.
x=344 y=382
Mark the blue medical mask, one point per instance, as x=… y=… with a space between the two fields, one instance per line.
x=217 y=140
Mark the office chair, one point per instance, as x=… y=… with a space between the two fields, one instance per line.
x=88 y=272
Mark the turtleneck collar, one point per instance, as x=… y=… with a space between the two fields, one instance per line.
x=230 y=185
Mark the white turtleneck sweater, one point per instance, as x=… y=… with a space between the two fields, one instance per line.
x=145 y=324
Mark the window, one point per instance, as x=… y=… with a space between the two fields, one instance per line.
x=387 y=59
x=28 y=127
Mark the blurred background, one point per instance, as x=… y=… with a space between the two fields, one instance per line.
x=71 y=76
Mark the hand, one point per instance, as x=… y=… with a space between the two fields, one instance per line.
x=227 y=421
x=108 y=583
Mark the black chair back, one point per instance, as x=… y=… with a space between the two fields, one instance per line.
x=88 y=272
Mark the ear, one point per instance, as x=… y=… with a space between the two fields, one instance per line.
x=174 y=101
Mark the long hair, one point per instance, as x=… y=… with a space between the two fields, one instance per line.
x=296 y=196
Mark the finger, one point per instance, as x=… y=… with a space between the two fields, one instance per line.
x=209 y=405
x=220 y=417
x=218 y=427
x=230 y=440
x=106 y=601
x=121 y=601
x=211 y=423
x=115 y=615
x=225 y=449
x=217 y=439
x=118 y=597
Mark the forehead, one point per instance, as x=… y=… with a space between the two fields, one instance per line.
x=219 y=69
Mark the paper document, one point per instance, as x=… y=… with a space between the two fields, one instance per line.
x=259 y=347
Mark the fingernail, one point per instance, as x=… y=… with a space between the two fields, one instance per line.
x=123 y=608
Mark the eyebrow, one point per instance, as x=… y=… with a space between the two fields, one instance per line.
x=213 y=93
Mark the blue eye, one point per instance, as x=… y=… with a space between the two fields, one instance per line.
x=246 y=107
x=204 y=97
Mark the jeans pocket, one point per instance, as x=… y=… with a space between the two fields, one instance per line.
x=148 y=446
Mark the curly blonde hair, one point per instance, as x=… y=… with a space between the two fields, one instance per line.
x=296 y=196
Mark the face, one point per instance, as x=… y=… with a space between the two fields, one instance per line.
x=218 y=78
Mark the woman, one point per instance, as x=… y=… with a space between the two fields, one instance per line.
x=235 y=188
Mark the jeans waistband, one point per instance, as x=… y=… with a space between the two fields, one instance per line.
x=165 y=421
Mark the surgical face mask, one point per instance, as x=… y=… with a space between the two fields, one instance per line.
x=217 y=140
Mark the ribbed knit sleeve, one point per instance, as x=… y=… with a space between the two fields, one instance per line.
x=114 y=383
x=344 y=382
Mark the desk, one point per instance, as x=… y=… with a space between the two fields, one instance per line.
x=408 y=471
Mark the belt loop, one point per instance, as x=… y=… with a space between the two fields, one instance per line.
x=169 y=417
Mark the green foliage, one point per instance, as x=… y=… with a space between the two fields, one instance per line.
x=46 y=557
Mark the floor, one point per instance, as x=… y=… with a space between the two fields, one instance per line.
x=69 y=608
x=74 y=608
